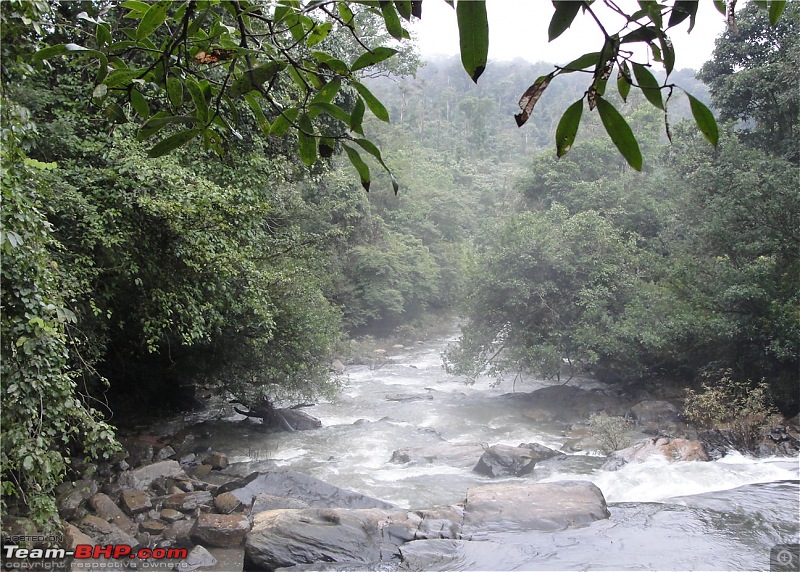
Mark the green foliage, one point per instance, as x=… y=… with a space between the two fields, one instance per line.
x=44 y=418
x=610 y=431
x=741 y=407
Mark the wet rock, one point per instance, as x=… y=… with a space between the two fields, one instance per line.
x=72 y=497
x=227 y=503
x=506 y=461
x=298 y=420
x=199 y=557
x=187 y=502
x=171 y=515
x=405 y=398
x=360 y=536
x=143 y=477
x=135 y=501
x=180 y=532
x=106 y=533
x=655 y=412
x=561 y=403
x=201 y=471
x=535 y=506
x=104 y=507
x=152 y=527
x=165 y=453
x=221 y=530
x=671 y=449
x=462 y=455
x=299 y=486
x=266 y=501
x=217 y=460
x=337 y=367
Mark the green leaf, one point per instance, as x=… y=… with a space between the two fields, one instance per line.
x=473 y=33
x=282 y=123
x=159 y=121
x=317 y=107
x=371 y=58
x=254 y=79
x=668 y=52
x=392 y=20
x=643 y=34
x=199 y=98
x=345 y=13
x=175 y=92
x=704 y=119
x=357 y=116
x=620 y=133
x=319 y=33
x=121 y=77
x=565 y=13
x=328 y=92
x=359 y=164
x=624 y=81
x=261 y=119
x=173 y=142
x=103 y=35
x=139 y=104
x=375 y=106
x=306 y=140
x=776 y=8
x=582 y=62
x=135 y=6
x=681 y=10
x=152 y=19
x=568 y=128
x=64 y=49
x=721 y=7
x=649 y=85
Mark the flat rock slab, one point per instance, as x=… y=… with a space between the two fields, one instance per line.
x=361 y=537
x=314 y=492
x=536 y=506
x=145 y=476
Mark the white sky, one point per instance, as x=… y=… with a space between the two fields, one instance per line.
x=518 y=28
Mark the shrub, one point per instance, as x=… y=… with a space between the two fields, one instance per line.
x=610 y=431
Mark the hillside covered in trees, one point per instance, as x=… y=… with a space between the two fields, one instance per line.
x=128 y=278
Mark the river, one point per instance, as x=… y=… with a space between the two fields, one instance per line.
x=721 y=515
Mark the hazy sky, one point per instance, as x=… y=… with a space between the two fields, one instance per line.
x=518 y=28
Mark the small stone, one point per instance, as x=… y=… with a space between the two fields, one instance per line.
x=201 y=471
x=104 y=507
x=221 y=530
x=165 y=453
x=171 y=515
x=187 y=502
x=135 y=501
x=152 y=526
x=217 y=460
x=227 y=503
x=199 y=557
x=180 y=532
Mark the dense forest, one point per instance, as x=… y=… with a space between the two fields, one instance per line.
x=128 y=279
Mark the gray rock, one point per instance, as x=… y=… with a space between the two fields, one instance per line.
x=217 y=460
x=221 y=530
x=199 y=557
x=152 y=527
x=165 y=453
x=106 y=533
x=655 y=412
x=560 y=403
x=180 y=531
x=143 y=477
x=295 y=485
x=104 y=507
x=287 y=537
x=135 y=501
x=187 y=502
x=449 y=454
x=266 y=501
x=534 y=506
x=72 y=497
x=337 y=367
x=171 y=515
x=506 y=461
x=227 y=503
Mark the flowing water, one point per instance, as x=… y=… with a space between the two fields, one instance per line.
x=721 y=515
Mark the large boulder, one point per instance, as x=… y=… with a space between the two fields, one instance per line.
x=534 y=506
x=295 y=485
x=285 y=537
x=666 y=447
x=452 y=455
x=221 y=530
x=561 y=403
x=505 y=461
x=143 y=477
x=655 y=412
